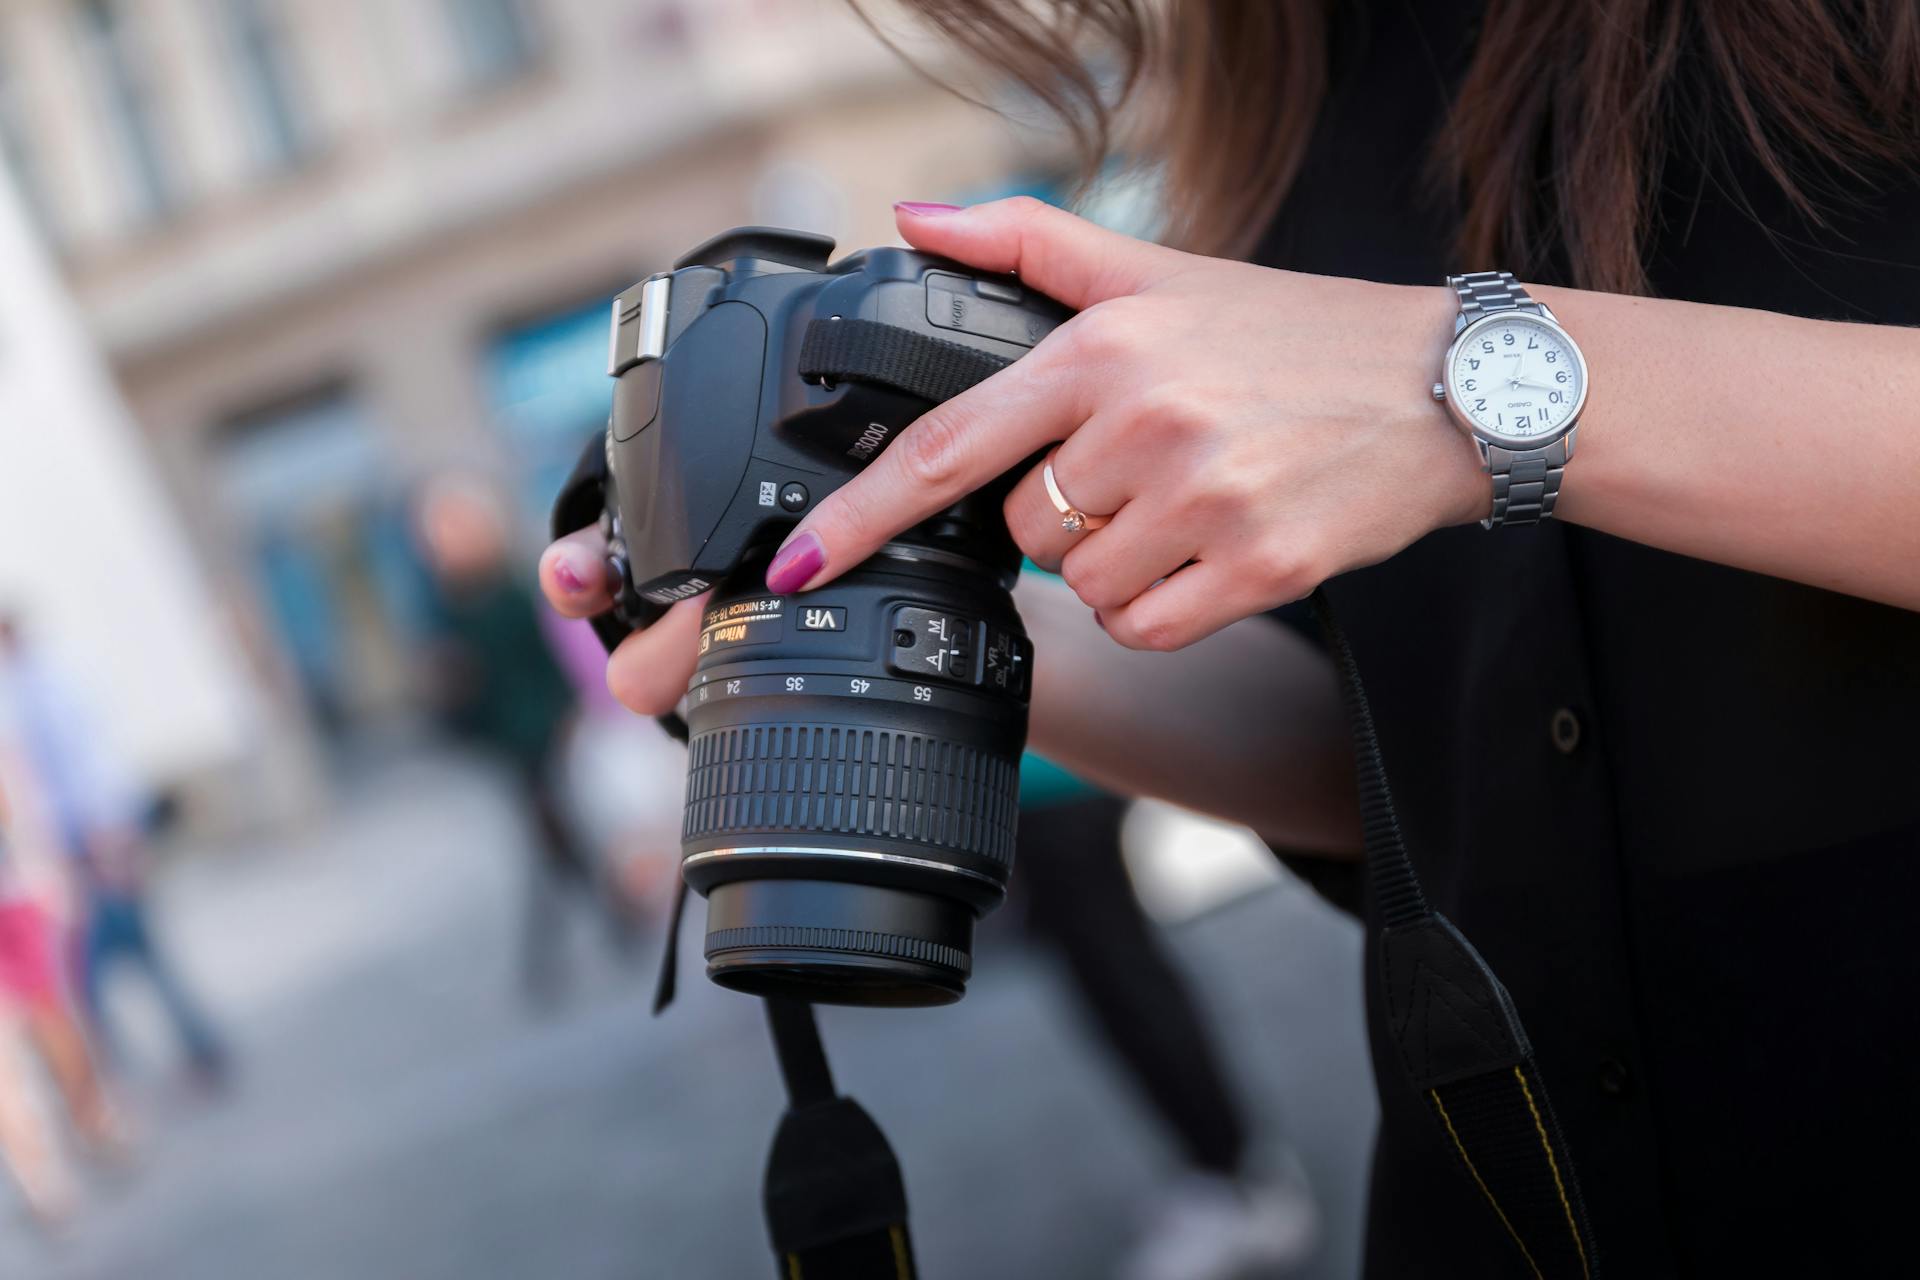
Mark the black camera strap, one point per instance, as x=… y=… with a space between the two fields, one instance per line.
x=1456 y=1030
x=835 y=1202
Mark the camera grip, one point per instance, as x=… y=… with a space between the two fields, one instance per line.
x=582 y=501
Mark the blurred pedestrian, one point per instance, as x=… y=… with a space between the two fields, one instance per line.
x=1222 y=1216
x=626 y=779
x=101 y=816
x=499 y=687
x=35 y=1011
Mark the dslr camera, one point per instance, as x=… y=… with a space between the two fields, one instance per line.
x=853 y=771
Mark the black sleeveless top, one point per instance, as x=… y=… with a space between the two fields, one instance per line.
x=1675 y=805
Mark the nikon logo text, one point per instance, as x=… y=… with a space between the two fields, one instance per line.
x=869 y=442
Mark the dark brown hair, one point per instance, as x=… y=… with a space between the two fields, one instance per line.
x=1570 y=152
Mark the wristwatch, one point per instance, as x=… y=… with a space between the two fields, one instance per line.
x=1515 y=381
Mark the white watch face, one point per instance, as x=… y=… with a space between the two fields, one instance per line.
x=1517 y=376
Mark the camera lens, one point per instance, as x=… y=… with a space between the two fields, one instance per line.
x=853 y=777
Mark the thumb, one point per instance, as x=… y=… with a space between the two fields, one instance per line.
x=1065 y=257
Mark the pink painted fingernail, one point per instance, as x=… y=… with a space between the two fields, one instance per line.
x=568 y=575
x=925 y=209
x=796 y=564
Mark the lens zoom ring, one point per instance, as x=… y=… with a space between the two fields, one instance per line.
x=868 y=782
x=864 y=941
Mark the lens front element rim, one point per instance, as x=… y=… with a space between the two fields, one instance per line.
x=708 y=857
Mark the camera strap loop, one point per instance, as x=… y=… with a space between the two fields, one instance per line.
x=1457 y=1033
x=665 y=985
x=835 y=1202
x=868 y=351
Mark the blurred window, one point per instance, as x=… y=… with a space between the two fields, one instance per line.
x=19 y=157
x=263 y=73
x=496 y=38
x=109 y=44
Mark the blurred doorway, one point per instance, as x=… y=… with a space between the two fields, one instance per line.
x=309 y=490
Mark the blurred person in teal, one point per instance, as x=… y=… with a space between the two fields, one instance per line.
x=499 y=687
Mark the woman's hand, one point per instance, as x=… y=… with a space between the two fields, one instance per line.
x=1251 y=432
x=650 y=670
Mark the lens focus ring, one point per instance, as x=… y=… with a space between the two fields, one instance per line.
x=852 y=780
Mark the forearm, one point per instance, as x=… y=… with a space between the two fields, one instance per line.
x=1245 y=725
x=1786 y=446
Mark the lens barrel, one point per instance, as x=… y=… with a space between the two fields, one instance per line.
x=853 y=777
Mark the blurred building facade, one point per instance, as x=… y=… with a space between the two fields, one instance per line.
x=330 y=245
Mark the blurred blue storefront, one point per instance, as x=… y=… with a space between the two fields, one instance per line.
x=548 y=392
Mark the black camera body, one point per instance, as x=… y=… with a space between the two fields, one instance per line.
x=717 y=443
x=854 y=752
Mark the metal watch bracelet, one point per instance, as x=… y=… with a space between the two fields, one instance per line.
x=1526 y=482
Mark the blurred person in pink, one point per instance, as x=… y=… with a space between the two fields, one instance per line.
x=100 y=815
x=35 y=1011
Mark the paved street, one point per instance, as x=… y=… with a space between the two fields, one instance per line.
x=399 y=1112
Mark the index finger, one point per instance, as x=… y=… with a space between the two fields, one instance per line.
x=951 y=450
